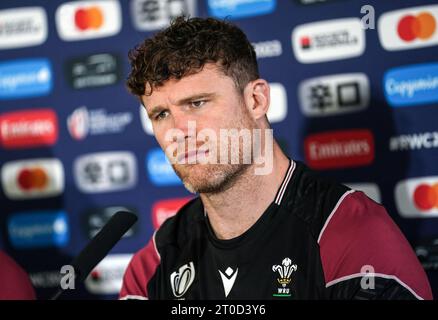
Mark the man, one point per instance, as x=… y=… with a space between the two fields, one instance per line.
x=267 y=228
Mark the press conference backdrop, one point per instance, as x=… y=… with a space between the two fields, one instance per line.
x=354 y=96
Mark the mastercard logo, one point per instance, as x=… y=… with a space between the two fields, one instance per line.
x=409 y=28
x=421 y=26
x=80 y=20
x=32 y=179
x=426 y=196
x=89 y=18
x=417 y=197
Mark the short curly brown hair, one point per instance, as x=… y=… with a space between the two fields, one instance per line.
x=185 y=47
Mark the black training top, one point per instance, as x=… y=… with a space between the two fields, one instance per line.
x=317 y=240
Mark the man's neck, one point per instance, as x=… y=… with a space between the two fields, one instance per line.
x=235 y=210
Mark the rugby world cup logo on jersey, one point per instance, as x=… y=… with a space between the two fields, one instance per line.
x=182 y=279
x=284 y=271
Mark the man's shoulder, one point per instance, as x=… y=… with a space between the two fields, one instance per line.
x=178 y=228
x=319 y=201
x=15 y=281
x=312 y=197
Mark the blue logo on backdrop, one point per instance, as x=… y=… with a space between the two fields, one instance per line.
x=240 y=8
x=25 y=78
x=412 y=85
x=159 y=169
x=38 y=229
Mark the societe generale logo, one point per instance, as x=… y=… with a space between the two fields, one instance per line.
x=33 y=178
x=164 y=209
x=328 y=40
x=28 y=128
x=417 y=197
x=81 y=20
x=409 y=28
x=339 y=149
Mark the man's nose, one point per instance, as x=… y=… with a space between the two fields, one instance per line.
x=183 y=122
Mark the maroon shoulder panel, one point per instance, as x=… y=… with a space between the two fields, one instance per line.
x=360 y=232
x=140 y=270
x=15 y=283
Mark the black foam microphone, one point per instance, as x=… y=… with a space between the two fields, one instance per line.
x=100 y=245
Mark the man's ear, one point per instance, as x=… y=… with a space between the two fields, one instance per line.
x=257 y=98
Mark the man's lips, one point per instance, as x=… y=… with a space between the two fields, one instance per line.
x=191 y=156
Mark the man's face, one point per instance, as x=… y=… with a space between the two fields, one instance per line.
x=210 y=100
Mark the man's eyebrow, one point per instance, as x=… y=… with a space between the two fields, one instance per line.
x=159 y=108
x=194 y=97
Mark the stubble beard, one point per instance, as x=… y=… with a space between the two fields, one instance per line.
x=216 y=178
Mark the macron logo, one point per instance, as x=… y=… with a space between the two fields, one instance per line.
x=228 y=279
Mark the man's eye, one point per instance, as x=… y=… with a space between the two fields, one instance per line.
x=197 y=103
x=161 y=115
